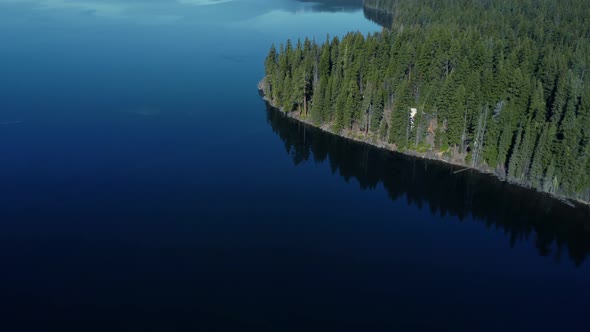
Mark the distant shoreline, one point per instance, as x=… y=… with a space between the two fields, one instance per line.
x=428 y=156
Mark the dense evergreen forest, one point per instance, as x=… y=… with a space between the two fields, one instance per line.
x=497 y=85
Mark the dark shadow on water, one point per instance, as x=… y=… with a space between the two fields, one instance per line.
x=335 y=5
x=523 y=215
x=381 y=17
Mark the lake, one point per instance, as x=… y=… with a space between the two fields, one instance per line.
x=145 y=185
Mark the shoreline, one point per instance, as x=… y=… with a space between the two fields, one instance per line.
x=573 y=203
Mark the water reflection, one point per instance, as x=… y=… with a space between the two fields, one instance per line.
x=380 y=17
x=335 y=5
x=523 y=215
x=165 y=11
x=18 y=17
x=383 y=18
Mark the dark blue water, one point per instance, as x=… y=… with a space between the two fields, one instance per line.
x=145 y=186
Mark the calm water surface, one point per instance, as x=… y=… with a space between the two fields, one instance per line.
x=145 y=186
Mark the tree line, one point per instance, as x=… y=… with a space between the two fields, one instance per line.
x=496 y=85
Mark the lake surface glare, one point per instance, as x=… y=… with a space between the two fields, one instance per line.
x=145 y=186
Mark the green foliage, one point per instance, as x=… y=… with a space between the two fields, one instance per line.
x=505 y=82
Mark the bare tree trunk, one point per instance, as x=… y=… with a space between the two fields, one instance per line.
x=464 y=130
x=408 y=130
x=362 y=88
x=368 y=120
x=418 y=132
x=478 y=144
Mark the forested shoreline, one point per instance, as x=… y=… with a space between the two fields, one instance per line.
x=494 y=85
